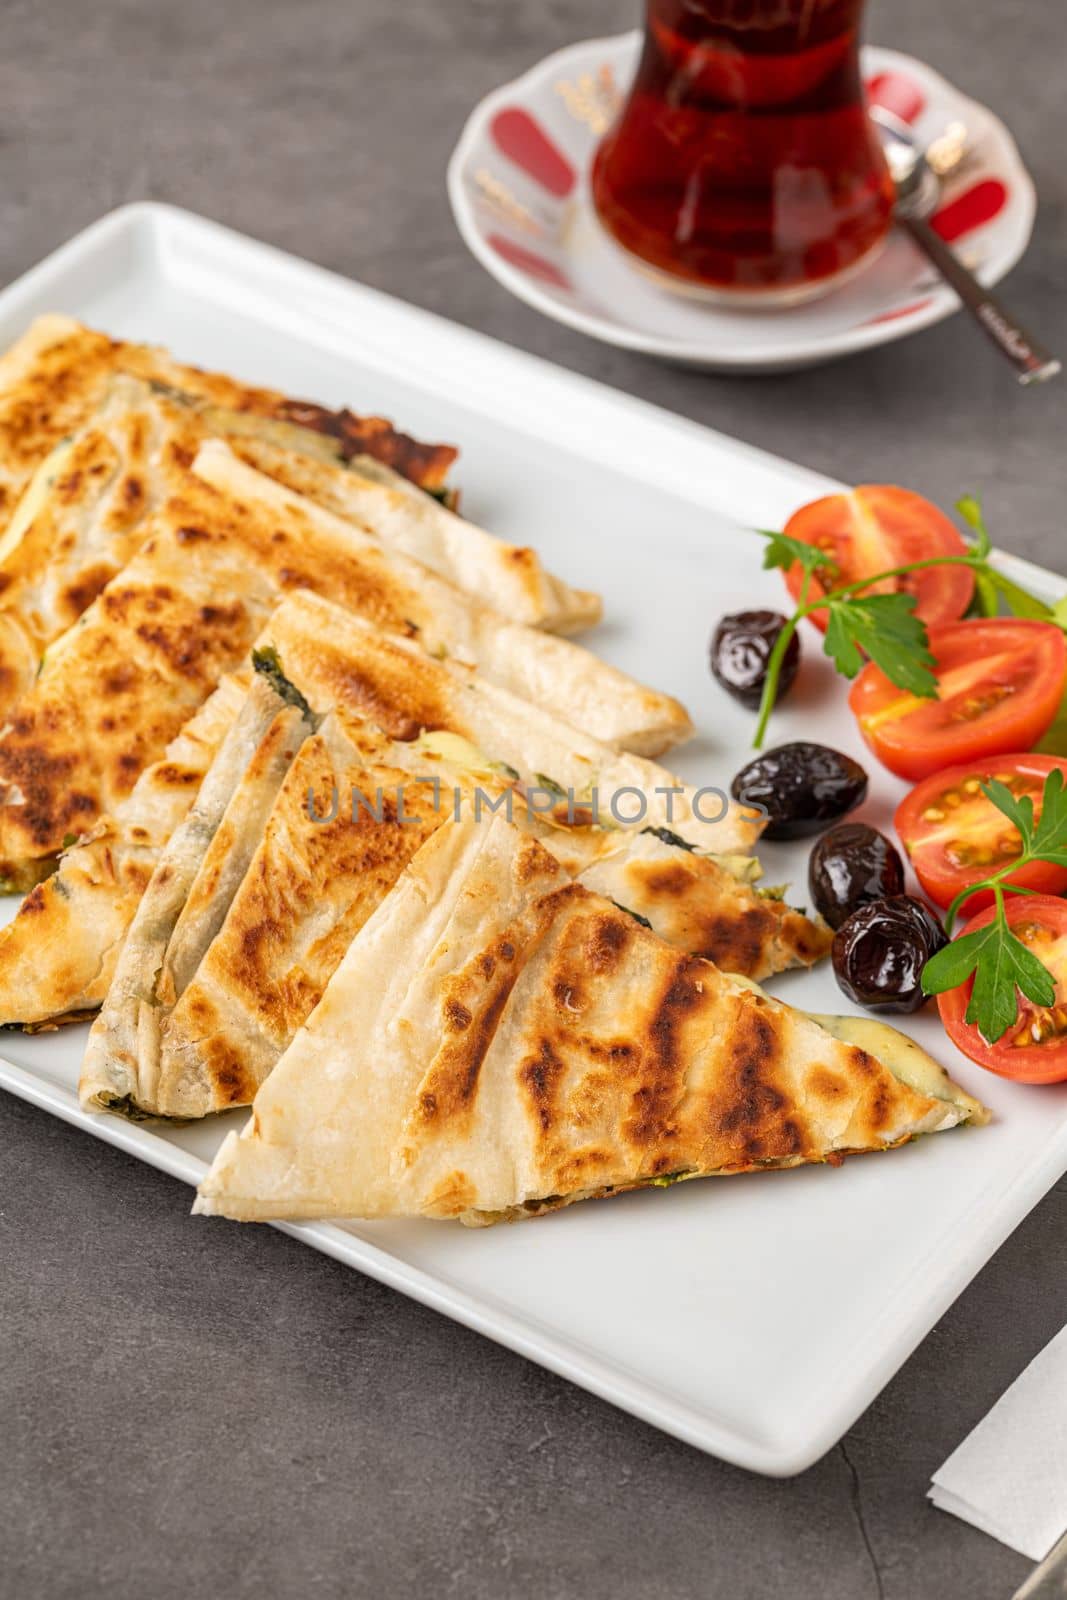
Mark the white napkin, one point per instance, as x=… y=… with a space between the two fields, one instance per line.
x=1009 y=1476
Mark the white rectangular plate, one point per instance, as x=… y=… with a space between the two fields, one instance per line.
x=755 y=1318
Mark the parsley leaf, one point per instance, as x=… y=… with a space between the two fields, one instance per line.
x=1007 y=965
x=784 y=551
x=954 y=963
x=885 y=628
x=1000 y=963
x=1050 y=835
x=1017 y=808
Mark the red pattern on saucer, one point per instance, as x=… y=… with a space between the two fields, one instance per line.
x=523 y=140
x=898 y=312
x=530 y=261
x=896 y=92
x=970 y=210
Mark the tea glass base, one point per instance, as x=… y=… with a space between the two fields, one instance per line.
x=747 y=299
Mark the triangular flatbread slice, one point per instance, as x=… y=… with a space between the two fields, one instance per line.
x=118 y=685
x=508 y=577
x=57 y=379
x=186 y=899
x=86 y=509
x=499 y=1041
x=701 y=905
x=58 y=372
x=413 y=600
x=337 y=659
x=321 y=867
x=80 y=519
x=347 y=820
x=58 y=955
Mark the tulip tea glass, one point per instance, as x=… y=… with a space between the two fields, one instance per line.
x=743 y=165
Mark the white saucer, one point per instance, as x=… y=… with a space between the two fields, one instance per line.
x=519 y=190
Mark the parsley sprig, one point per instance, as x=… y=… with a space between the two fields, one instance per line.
x=883 y=627
x=1000 y=962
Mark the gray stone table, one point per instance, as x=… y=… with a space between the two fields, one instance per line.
x=188 y=1411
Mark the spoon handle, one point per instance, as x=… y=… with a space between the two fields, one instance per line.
x=1032 y=363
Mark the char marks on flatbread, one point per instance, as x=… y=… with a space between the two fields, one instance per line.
x=59 y=371
x=208 y=853
x=508 y=577
x=337 y=663
x=83 y=516
x=348 y=817
x=499 y=1041
x=337 y=659
x=88 y=505
x=313 y=881
x=118 y=685
x=404 y=596
x=700 y=907
x=58 y=955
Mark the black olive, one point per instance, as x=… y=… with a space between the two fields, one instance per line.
x=850 y=866
x=880 y=950
x=802 y=786
x=740 y=649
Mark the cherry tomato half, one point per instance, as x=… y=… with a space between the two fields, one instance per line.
x=955 y=836
x=875 y=527
x=1000 y=681
x=1034 y=1049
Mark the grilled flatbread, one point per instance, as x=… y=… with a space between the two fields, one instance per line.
x=499 y=1042
x=415 y=601
x=87 y=506
x=336 y=658
x=58 y=373
x=700 y=906
x=209 y=851
x=349 y=816
x=58 y=955
x=84 y=514
x=313 y=881
x=507 y=577
x=92 y=432
x=119 y=684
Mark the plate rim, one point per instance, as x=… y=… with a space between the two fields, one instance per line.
x=151 y=227
x=802 y=353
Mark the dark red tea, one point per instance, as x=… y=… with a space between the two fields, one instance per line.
x=743 y=160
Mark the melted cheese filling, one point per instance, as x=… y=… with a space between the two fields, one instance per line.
x=909 y=1063
x=34 y=497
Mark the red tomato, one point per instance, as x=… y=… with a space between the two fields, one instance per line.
x=954 y=836
x=875 y=527
x=1034 y=1049
x=1000 y=681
